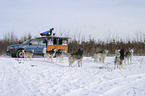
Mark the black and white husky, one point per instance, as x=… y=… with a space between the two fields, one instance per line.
x=101 y=55
x=129 y=56
x=60 y=55
x=78 y=56
x=49 y=54
x=119 y=58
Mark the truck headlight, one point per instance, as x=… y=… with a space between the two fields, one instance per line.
x=11 y=47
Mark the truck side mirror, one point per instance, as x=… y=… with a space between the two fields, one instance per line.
x=30 y=44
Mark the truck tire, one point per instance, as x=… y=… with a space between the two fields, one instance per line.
x=20 y=54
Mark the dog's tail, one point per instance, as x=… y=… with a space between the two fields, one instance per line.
x=67 y=54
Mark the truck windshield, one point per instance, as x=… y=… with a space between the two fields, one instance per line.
x=26 y=42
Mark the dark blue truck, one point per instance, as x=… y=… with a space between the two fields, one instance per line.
x=36 y=44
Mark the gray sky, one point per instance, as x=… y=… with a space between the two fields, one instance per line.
x=98 y=19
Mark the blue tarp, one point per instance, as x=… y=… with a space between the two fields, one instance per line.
x=47 y=33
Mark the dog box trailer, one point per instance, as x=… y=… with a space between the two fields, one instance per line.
x=56 y=42
x=53 y=41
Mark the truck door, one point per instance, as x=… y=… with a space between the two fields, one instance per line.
x=33 y=44
x=41 y=46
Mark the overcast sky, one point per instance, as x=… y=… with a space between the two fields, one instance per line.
x=98 y=19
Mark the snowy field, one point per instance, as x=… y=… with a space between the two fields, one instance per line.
x=44 y=78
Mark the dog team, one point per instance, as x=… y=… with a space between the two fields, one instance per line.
x=120 y=56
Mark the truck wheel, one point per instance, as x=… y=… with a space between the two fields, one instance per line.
x=20 y=54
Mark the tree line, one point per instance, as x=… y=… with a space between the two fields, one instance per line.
x=90 y=47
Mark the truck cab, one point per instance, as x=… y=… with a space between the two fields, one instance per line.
x=37 y=44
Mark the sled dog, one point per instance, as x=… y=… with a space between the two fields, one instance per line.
x=129 y=56
x=26 y=54
x=119 y=59
x=101 y=55
x=49 y=54
x=78 y=56
x=117 y=52
x=60 y=55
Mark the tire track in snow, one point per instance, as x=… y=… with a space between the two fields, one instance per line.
x=2 y=75
x=125 y=85
x=112 y=86
x=12 y=79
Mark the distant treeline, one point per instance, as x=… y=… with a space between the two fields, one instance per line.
x=90 y=47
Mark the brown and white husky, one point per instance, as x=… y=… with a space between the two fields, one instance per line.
x=26 y=54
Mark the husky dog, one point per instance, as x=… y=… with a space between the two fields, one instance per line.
x=78 y=56
x=50 y=53
x=119 y=59
x=101 y=55
x=117 y=52
x=60 y=54
x=26 y=54
x=129 y=55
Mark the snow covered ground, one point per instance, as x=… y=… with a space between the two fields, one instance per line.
x=44 y=78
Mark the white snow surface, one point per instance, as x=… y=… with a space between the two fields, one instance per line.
x=40 y=77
